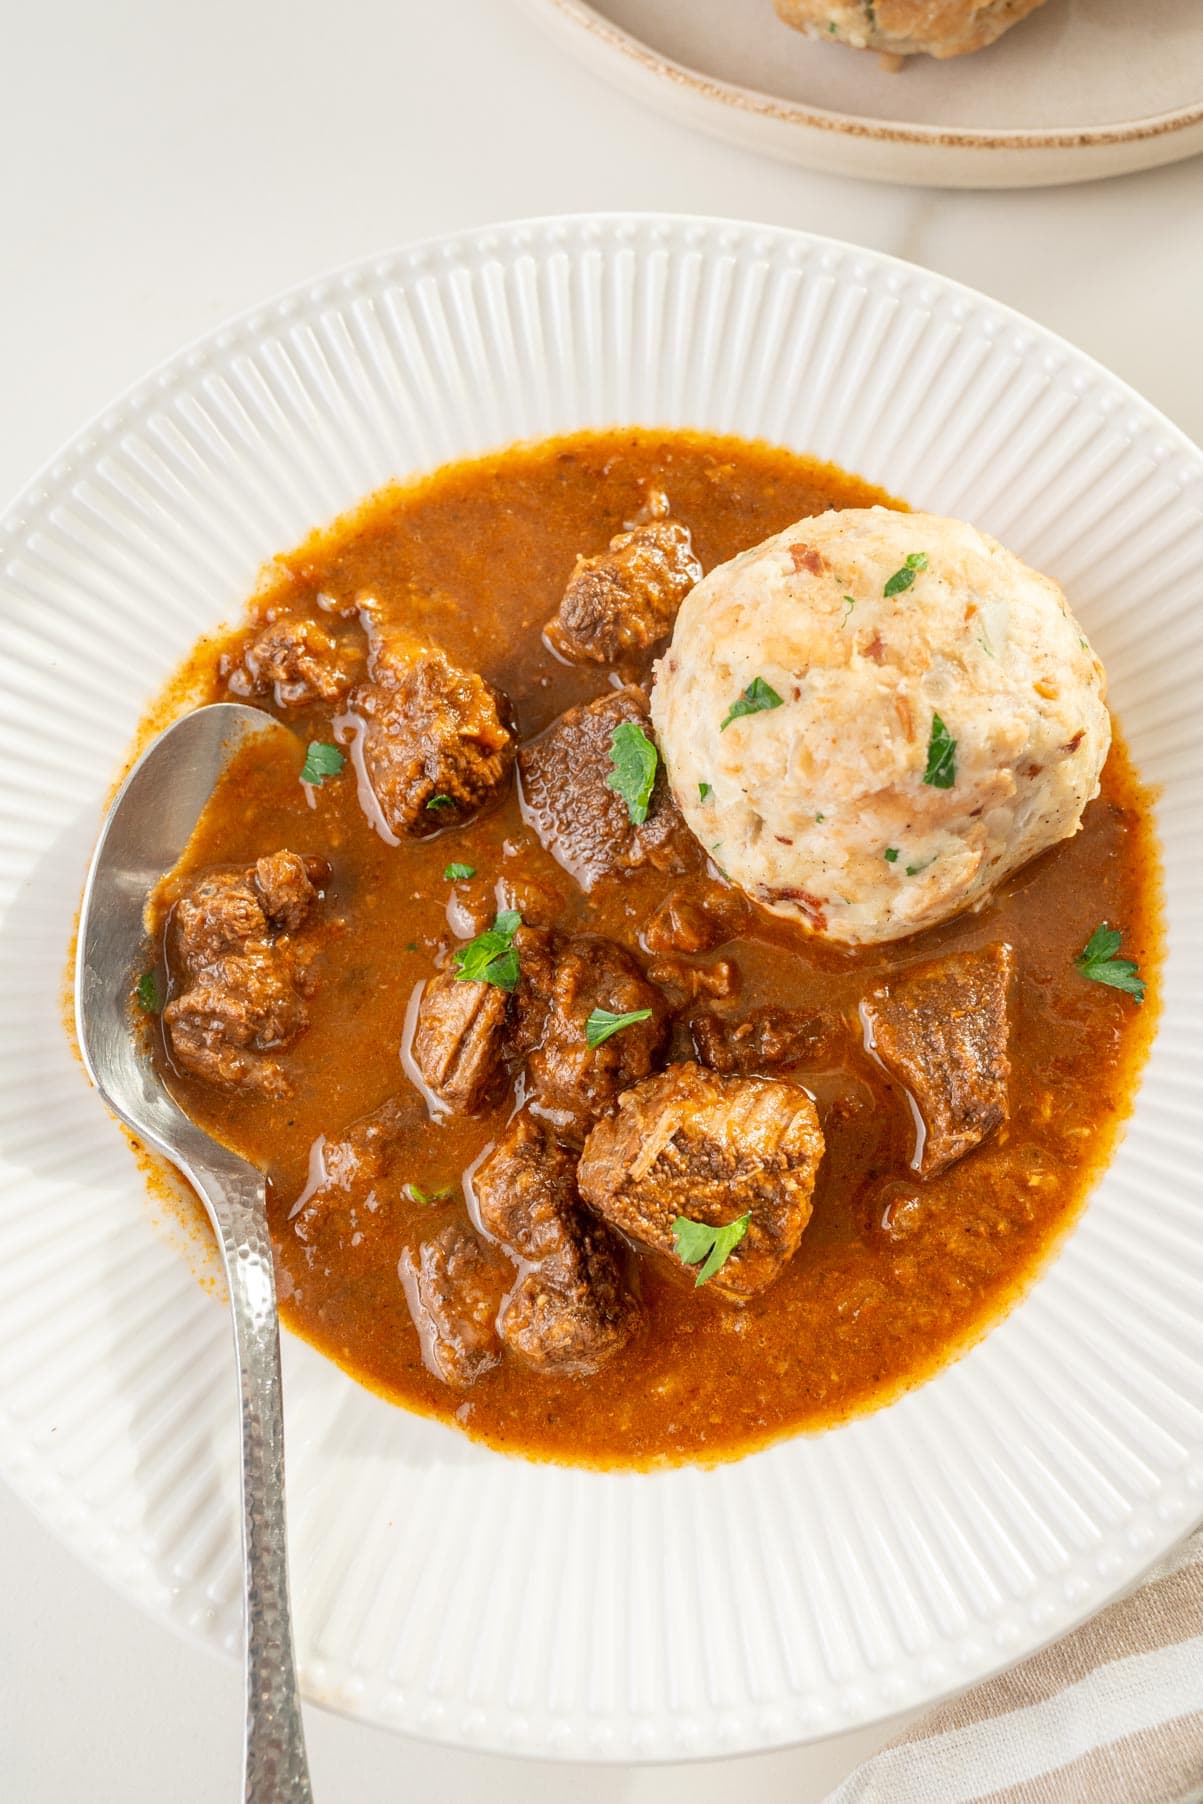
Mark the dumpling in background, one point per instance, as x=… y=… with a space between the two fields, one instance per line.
x=907 y=27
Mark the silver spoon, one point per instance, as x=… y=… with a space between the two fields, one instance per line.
x=147 y=828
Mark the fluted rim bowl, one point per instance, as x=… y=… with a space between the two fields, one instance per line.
x=440 y=1588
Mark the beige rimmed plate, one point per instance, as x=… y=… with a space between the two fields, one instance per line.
x=1081 y=89
x=441 y=1588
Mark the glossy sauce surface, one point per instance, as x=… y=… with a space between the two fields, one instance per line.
x=894 y=1275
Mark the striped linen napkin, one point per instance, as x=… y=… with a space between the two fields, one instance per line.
x=1112 y=1714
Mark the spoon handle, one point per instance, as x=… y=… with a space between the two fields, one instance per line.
x=274 y=1764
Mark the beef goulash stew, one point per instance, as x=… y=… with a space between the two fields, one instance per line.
x=577 y=1135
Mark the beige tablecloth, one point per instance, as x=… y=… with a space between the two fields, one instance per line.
x=1113 y=1714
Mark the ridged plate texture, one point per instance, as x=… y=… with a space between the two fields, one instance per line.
x=439 y=1587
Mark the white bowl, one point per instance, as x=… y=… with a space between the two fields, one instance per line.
x=441 y=1588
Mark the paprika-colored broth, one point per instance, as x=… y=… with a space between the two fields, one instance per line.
x=894 y=1274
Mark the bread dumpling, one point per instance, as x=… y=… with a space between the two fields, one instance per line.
x=873 y=717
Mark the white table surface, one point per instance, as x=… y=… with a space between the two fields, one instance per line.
x=165 y=166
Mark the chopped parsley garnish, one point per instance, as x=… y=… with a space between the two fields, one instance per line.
x=902 y=579
x=820 y=818
x=634 y=759
x=891 y=854
x=849 y=604
x=491 y=957
x=149 y=994
x=941 y=770
x=913 y=870
x=321 y=761
x=456 y=873
x=602 y=1023
x=699 y=1243
x=440 y=802
x=757 y=698
x=1097 y=961
x=704 y=790
x=416 y=1194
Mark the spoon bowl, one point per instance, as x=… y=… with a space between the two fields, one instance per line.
x=152 y=818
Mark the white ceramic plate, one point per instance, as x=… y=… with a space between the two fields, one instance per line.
x=439 y=1587
x=1082 y=88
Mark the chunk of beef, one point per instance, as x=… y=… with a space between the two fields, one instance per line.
x=579 y=819
x=572 y=1084
x=457 y=1040
x=539 y=901
x=288 y=886
x=697 y=917
x=525 y=1190
x=465 y=1034
x=625 y=599
x=352 y=1189
x=221 y=916
x=454 y=1286
x=690 y=1142
x=683 y=982
x=941 y=1029
x=570 y=1311
x=226 y=1026
x=295 y=661
x=475 y=902
x=437 y=744
x=570 y=1316
x=762 y=1040
x=362 y=1155
x=241 y=967
x=232 y=912
x=537 y=950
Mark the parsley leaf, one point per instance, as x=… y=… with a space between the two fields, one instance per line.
x=849 y=604
x=757 y=698
x=941 y=770
x=417 y=1195
x=602 y=1023
x=704 y=790
x=698 y=1243
x=490 y=957
x=440 y=802
x=321 y=761
x=1097 y=961
x=913 y=870
x=455 y=872
x=902 y=579
x=634 y=759
x=149 y=994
